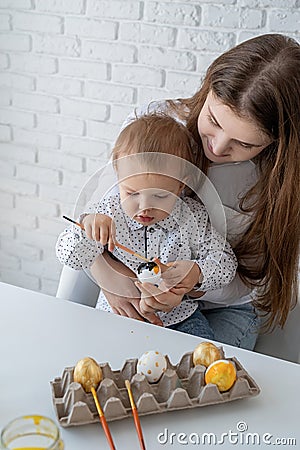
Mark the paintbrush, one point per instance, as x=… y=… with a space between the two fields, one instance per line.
x=135 y=416
x=73 y=221
x=117 y=244
x=88 y=374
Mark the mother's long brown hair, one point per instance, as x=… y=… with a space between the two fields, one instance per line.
x=260 y=80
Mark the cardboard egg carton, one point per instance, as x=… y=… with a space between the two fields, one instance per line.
x=181 y=387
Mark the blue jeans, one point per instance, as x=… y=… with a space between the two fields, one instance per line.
x=234 y=325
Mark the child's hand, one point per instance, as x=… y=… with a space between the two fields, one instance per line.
x=181 y=274
x=100 y=227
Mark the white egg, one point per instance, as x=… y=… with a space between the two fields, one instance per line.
x=152 y=364
x=149 y=272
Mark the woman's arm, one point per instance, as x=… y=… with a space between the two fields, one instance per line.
x=117 y=283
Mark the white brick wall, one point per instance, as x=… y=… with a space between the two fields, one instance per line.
x=70 y=72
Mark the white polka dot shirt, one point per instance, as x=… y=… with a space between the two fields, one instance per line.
x=186 y=234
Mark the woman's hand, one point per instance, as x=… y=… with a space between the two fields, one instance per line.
x=117 y=282
x=154 y=299
x=101 y=228
x=131 y=307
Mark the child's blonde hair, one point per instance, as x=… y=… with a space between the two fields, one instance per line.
x=155 y=134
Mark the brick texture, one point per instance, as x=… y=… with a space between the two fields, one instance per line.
x=70 y=72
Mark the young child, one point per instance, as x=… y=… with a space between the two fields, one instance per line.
x=152 y=216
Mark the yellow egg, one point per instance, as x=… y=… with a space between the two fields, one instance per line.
x=222 y=373
x=206 y=353
x=88 y=373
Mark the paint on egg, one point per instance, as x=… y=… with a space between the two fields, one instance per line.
x=149 y=272
x=152 y=364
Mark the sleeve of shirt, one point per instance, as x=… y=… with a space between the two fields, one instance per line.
x=234 y=293
x=73 y=248
x=213 y=253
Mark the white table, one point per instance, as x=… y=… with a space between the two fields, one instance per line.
x=40 y=335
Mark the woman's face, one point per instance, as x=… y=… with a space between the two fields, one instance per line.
x=225 y=136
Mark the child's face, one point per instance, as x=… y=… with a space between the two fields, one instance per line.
x=225 y=136
x=149 y=198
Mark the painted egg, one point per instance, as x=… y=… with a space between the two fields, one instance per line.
x=88 y=373
x=206 y=353
x=149 y=272
x=152 y=364
x=222 y=373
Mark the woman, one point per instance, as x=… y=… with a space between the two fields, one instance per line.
x=245 y=119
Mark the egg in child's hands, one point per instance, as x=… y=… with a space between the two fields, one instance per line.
x=152 y=364
x=149 y=272
x=222 y=373
x=206 y=353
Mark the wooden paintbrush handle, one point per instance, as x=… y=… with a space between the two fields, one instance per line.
x=138 y=428
x=107 y=433
x=103 y=420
